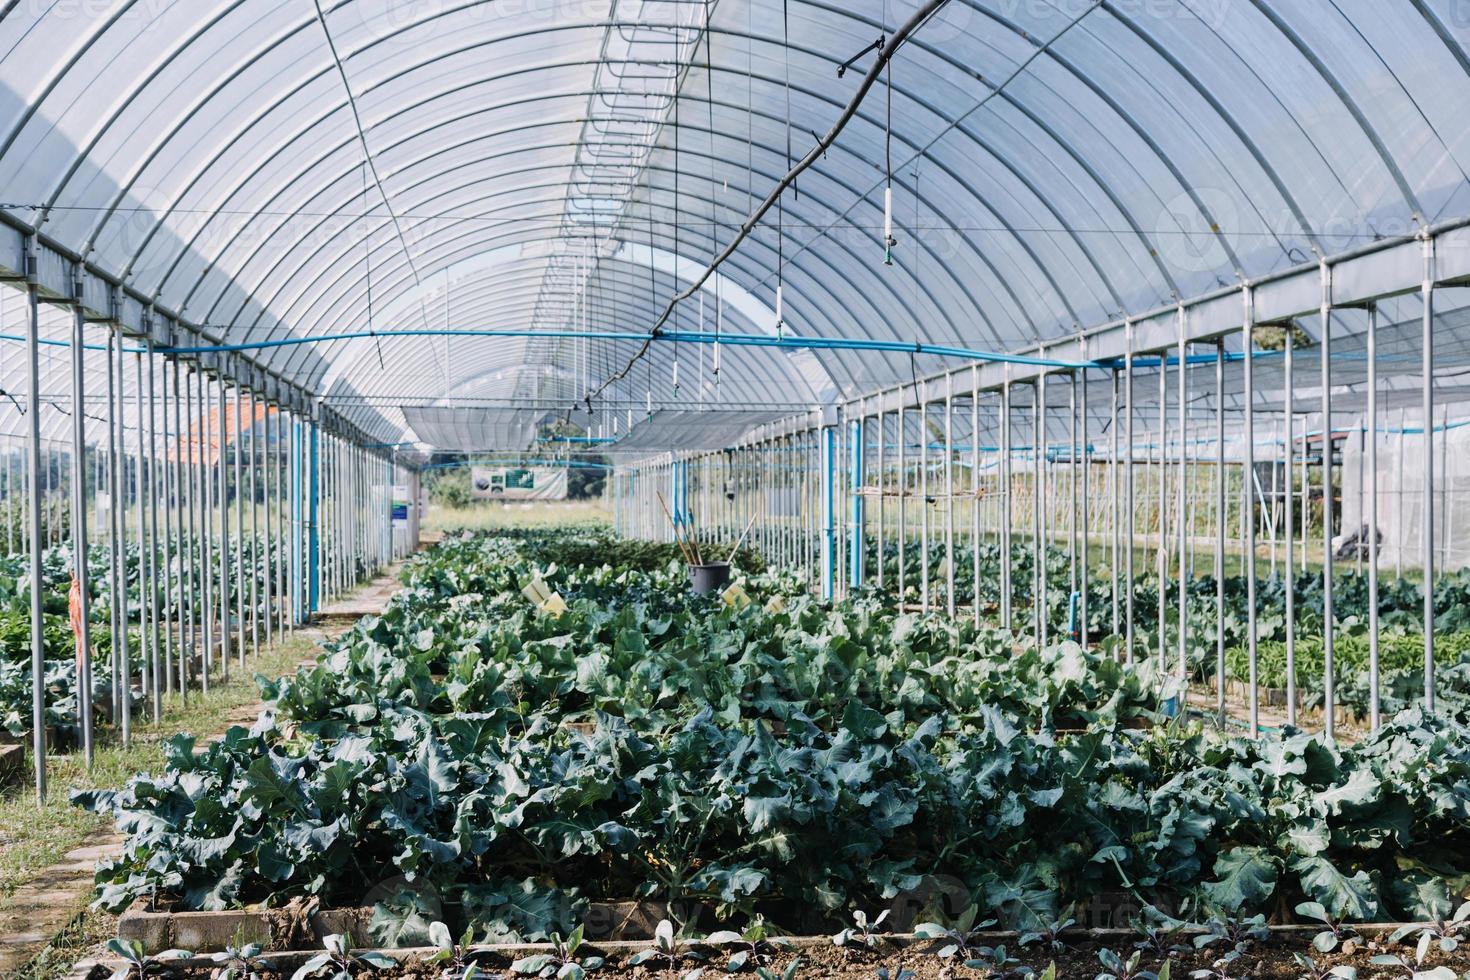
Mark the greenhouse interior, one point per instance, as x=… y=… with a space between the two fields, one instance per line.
x=914 y=489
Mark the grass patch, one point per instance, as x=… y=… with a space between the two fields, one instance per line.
x=34 y=837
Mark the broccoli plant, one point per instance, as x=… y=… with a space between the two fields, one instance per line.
x=454 y=959
x=137 y=965
x=1239 y=933
x=336 y=961
x=1050 y=932
x=1159 y=935
x=242 y=963
x=1414 y=969
x=863 y=933
x=1312 y=970
x=1448 y=934
x=956 y=940
x=666 y=950
x=752 y=947
x=1117 y=968
x=561 y=962
x=1336 y=930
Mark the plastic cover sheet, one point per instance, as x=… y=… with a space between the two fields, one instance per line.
x=1400 y=511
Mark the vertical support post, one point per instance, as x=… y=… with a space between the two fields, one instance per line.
x=829 y=510
x=1220 y=515
x=1374 y=709
x=924 y=496
x=1329 y=700
x=313 y=549
x=1427 y=536
x=1183 y=529
x=1289 y=394
x=79 y=518
x=859 y=509
x=297 y=529
x=949 y=601
x=205 y=527
x=33 y=458
x=1085 y=514
x=1248 y=352
x=1005 y=503
x=1129 y=508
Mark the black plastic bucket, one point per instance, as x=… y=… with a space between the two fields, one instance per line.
x=704 y=579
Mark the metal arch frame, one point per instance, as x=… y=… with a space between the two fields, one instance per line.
x=845 y=249
x=932 y=297
x=1328 y=78
x=1041 y=265
x=1232 y=123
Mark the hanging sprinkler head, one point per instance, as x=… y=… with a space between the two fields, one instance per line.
x=888 y=240
x=780 y=315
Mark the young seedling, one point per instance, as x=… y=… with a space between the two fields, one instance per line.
x=1051 y=932
x=666 y=949
x=752 y=947
x=561 y=962
x=1117 y=968
x=137 y=965
x=900 y=973
x=787 y=974
x=242 y=963
x=1159 y=935
x=1220 y=969
x=1311 y=970
x=863 y=933
x=455 y=960
x=1237 y=932
x=1415 y=970
x=1331 y=937
x=336 y=961
x=997 y=964
x=1447 y=933
x=957 y=940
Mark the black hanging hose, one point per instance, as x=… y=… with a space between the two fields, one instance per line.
x=885 y=54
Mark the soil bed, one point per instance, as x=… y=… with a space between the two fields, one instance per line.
x=1270 y=959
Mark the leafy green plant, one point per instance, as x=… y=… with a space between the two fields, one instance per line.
x=667 y=949
x=244 y=962
x=997 y=963
x=1049 y=933
x=789 y=973
x=1237 y=932
x=1335 y=932
x=957 y=940
x=336 y=961
x=753 y=946
x=1117 y=968
x=454 y=959
x=1312 y=970
x=1159 y=935
x=863 y=933
x=1414 y=969
x=561 y=962
x=138 y=965
x=1446 y=933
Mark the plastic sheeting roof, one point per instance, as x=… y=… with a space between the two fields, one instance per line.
x=1056 y=164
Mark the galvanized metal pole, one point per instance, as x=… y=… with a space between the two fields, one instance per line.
x=204 y=475
x=37 y=597
x=1374 y=708
x=1289 y=395
x=949 y=602
x=1248 y=349
x=1129 y=508
x=145 y=565
x=1006 y=586
x=117 y=546
x=1220 y=518
x=1183 y=530
x=241 y=566
x=1329 y=700
x=923 y=496
x=79 y=519
x=1427 y=536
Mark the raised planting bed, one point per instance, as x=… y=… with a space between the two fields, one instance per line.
x=1277 y=953
x=302 y=926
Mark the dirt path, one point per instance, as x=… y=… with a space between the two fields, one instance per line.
x=46 y=905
